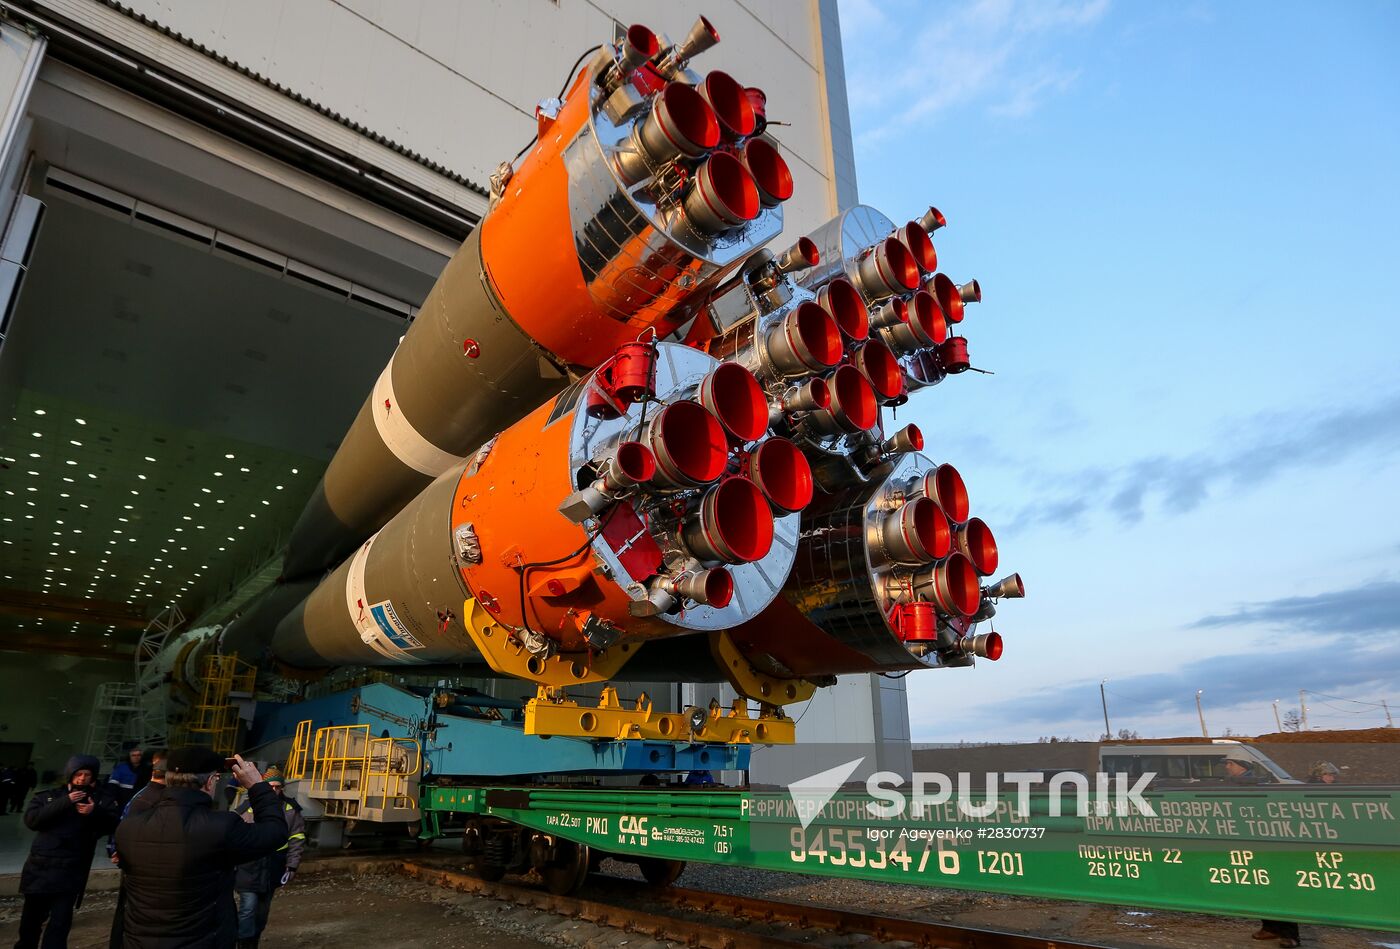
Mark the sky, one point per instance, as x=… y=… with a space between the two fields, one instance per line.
x=1185 y=219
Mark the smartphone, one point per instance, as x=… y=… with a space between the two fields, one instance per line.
x=229 y=763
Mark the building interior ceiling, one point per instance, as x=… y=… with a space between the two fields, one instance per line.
x=165 y=411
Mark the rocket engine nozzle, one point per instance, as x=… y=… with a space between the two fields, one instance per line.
x=974 y=540
x=733 y=396
x=843 y=301
x=951 y=586
x=888 y=268
x=730 y=103
x=916 y=533
x=915 y=237
x=877 y=363
x=802 y=255
x=712 y=587
x=932 y=220
x=811 y=395
x=907 y=439
x=1008 y=587
x=945 y=485
x=971 y=292
x=702 y=36
x=853 y=405
x=631 y=464
x=689 y=444
x=639 y=45
x=681 y=124
x=782 y=473
x=948 y=295
x=894 y=312
x=983 y=646
x=806 y=340
x=722 y=195
x=770 y=173
x=734 y=524
x=923 y=328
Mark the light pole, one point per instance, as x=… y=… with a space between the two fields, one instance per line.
x=1201 y=715
x=1277 y=721
x=1103 y=697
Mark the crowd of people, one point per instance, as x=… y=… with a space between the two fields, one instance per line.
x=192 y=875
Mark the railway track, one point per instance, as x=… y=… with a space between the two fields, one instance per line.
x=725 y=921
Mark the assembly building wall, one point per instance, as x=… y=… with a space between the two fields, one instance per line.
x=47 y=701
x=458 y=82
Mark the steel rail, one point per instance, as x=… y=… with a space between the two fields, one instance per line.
x=743 y=909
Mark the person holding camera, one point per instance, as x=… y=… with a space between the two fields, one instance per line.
x=69 y=820
x=178 y=856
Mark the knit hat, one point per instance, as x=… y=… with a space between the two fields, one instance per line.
x=273 y=773
x=82 y=763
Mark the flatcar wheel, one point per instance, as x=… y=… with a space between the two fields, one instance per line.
x=660 y=872
x=480 y=868
x=566 y=873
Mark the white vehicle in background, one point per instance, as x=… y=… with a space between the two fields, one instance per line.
x=1191 y=763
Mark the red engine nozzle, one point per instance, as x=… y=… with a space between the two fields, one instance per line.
x=914 y=237
x=916 y=533
x=681 y=123
x=783 y=474
x=701 y=37
x=689 y=444
x=802 y=255
x=770 y=172
x=907 y=439
x=639 y=45
x=721 y=195
x=893 y=312
x=881 y=369
x=932 y=220
x=948 y=295
x=971 y=292
x=853 y=405
x=843 y=301
x=946 y=486
x=734 y=524
x=731 y=104
x=632 y=463
x=888 y=268
x=951 y=586
x=974 y=540
x=712 y=587
x=806 y=340
x=733 y=396
x=983 y=645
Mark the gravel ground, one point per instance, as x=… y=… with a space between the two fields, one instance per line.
x=332 y=908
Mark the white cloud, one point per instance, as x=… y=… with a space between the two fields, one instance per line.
x=995 y=54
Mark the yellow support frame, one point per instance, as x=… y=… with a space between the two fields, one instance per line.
x=553 y=713
x=508 y=656
x=301 y=751
x=214 y=715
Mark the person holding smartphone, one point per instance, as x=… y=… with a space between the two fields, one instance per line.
x=178 y=856
x=68 y=821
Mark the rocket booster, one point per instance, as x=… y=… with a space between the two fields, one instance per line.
x=623 y=438
x=645 y=189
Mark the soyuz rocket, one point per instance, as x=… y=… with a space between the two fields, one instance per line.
x=626 y=438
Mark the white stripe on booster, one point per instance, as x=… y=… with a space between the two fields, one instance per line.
x=399 y=434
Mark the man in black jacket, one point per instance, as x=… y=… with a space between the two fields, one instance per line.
x=69 y=819
x=178 y=856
